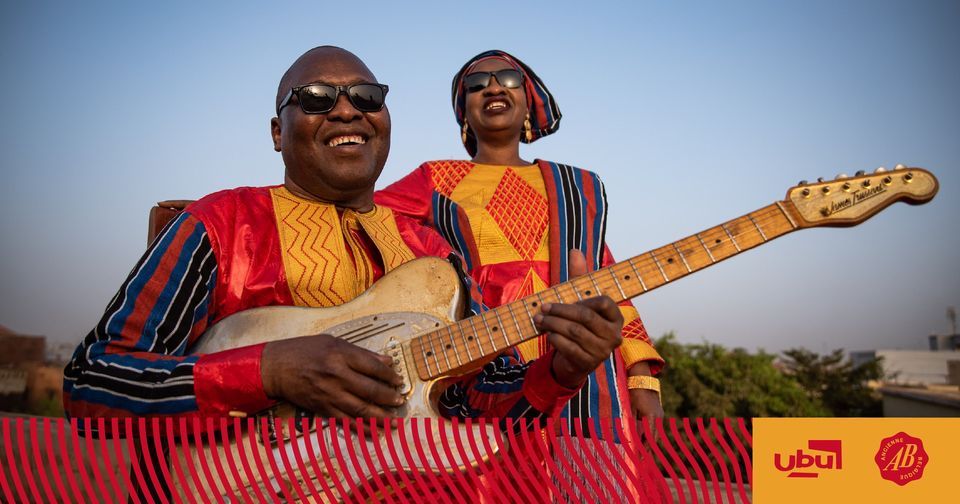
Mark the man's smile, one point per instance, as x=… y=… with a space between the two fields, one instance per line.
x=346 y=140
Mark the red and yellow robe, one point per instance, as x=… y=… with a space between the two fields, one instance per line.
x=514 y=226
x=246 y=248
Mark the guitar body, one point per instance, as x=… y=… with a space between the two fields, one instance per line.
x=413 y=299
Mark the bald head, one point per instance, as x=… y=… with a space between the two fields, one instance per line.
x=316 y=59
x=336 y=155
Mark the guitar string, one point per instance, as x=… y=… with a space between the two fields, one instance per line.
x=764 y=216
x=761 y=218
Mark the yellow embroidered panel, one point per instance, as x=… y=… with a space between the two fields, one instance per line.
x=508 y=212
x=381 y=226
x=315 y=240
x=363 y=268
x=315 y=260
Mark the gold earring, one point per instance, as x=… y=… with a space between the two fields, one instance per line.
x=527 y=129
x=463 y=134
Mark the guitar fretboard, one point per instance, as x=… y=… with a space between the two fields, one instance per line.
x=456 y=346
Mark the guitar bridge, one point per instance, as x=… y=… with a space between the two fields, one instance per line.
x=395 y=350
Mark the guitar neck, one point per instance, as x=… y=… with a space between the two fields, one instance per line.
x=459 y=345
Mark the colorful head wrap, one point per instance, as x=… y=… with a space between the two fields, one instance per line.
x=544 y=113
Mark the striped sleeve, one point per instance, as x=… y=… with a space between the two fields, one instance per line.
x=136 y=362
x=509 y=389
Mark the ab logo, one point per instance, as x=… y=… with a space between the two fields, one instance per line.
x=901 y=458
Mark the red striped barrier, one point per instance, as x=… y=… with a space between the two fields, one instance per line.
x=173 y=460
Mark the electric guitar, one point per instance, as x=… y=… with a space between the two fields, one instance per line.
x=411 y=314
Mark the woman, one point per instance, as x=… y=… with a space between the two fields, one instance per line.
x=515 y=221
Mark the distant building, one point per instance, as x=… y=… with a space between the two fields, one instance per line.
x=60 y=353
x=18 y=350
x=29 y=380
x=13 y=382
x=943 y=342
x=942 y=401
x=919 y=383
x=916 y=367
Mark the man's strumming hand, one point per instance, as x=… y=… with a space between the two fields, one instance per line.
x=330 y=377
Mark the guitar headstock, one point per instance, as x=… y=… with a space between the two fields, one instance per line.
x=848 y=201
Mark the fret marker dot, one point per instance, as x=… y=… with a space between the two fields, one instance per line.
x=495 y=329
x=429 y=354
x=534 y=304
x=469 y=338
x=626 y=277
x=448 y=346
x=670 y=260
x=587 y=292
x=718 y=241
x=437 y=324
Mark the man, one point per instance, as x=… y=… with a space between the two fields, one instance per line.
x=316 y=240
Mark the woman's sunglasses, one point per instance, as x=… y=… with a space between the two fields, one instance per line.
x=477 y=81
x=321 y=98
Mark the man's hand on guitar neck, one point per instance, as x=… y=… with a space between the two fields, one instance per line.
x=330 y=377
x=584 y=333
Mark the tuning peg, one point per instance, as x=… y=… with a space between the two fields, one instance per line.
x=881 y=169
x=840 y=176
x=859 y=173
x=820 y=179
x=900 y=166
x=802 y=183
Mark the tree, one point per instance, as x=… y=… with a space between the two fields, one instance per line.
x=708 y=380
x=836 y=383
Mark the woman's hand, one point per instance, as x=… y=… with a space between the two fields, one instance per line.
x=584 y=333
x=644 y=403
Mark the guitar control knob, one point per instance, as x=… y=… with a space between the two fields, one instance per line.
x=900 y=166
x=840 y=176
x=859 y=173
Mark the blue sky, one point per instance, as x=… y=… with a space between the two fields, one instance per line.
x=692 y=112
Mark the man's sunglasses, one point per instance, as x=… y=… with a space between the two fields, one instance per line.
x=477 y=81
x=321 y=98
